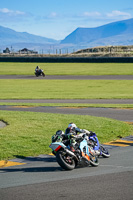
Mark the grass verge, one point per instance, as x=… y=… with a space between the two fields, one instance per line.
x=12 y=68
x=29 y=134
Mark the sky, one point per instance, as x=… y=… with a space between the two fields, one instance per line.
x=58 y=18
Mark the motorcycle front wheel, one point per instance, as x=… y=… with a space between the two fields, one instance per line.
x=104 y=151
x=94 y=161
x=65 y=161
x=43 y=74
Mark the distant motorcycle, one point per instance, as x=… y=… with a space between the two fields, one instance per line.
x=39 y=72
x=69 y=159
x=97 y=147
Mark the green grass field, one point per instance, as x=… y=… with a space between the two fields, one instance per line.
x=66 y=89
x=68 y=68
x=29 y=134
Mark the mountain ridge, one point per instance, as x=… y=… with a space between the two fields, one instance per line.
x=9 y=36
x=88 y=35
x=115 y=33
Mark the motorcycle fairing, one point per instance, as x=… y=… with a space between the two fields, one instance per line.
x=85 y=150
x=56 y=146
x=95 y=139
x=85 y=156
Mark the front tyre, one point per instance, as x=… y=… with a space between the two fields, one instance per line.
x=65 y=161
x=94 y=161
x=104 y=151
x=43 y=74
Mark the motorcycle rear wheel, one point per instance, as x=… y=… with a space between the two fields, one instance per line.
x=36 y=74
x=65 y=161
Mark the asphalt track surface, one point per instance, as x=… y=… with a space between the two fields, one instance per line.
x=118 y=114
x=42 y=178
x=76 y=77
x=87 y=101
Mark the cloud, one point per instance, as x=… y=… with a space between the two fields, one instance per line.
x=53 y=15
x=91 y=14
x=117 y=13
x=6 y=11
x=11 y=18
x=47 y=18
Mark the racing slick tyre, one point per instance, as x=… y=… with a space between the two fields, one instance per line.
x=104 y=152
x=65 y=161
x=94 y=161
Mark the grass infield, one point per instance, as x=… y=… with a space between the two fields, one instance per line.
x=29 y=134
x=64 y=89
x=12 y=68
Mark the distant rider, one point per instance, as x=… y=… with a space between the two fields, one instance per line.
x=39 y=71
x=37 y=68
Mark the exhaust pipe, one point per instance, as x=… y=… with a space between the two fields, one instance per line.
x=71 y=154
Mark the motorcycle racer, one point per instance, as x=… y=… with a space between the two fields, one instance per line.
x=71 y=135
x=39 y=71
x=72 y=131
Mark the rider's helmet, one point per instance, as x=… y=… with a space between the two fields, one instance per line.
x=71 y=129
x=59 y=133
x=72 y=126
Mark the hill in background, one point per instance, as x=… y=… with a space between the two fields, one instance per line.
x=9 y=36
x=116 y=34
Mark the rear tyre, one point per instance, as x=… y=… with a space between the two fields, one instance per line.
x=36 y=74
x=65 y=161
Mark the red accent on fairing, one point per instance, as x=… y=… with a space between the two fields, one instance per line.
x=58 y=148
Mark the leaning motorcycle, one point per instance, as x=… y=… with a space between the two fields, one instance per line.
x=69 y=159
x=39 y=73
x=99 y=149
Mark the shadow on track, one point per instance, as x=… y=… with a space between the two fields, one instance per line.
x=32 y=169
x=43 y=158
